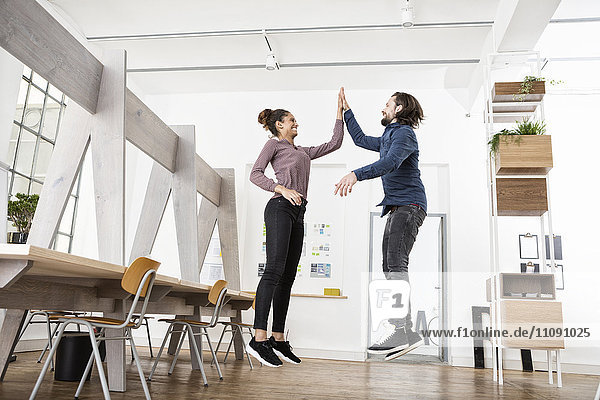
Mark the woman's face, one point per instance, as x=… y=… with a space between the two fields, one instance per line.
x=289 y=126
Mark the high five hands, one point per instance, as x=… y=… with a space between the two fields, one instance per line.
x=344 y=186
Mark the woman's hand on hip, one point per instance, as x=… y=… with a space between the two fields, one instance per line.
x=290 y=194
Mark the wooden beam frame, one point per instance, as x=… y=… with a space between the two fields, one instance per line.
x=149 y=133
x=33 y=36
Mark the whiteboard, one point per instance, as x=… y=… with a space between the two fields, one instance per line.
x=324 y=232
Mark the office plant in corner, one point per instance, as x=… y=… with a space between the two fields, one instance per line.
x=20 y=213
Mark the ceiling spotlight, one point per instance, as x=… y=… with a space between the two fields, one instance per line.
x=408 y=15
x=271 y=63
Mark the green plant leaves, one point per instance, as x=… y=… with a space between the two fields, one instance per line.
x=21 y=211
x=523 y=128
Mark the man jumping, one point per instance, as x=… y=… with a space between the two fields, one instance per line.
x=404 y=202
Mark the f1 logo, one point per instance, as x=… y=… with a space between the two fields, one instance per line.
x=388 y=299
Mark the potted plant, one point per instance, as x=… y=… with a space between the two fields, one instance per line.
x=524 y=150
x=21 y=212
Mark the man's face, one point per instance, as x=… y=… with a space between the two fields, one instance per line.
x=389 y=112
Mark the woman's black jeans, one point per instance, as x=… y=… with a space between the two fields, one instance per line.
x=284 y=224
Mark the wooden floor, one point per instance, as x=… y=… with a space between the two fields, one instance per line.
x=313 y=379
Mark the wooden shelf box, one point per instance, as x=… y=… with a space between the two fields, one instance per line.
x=524 y=155
x=528 y=314
x=509 y=92
x=508 y=106
x=521 y=196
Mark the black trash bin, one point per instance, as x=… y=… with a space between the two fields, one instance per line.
x=72 y=355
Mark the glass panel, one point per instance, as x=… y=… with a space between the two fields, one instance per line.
x=67 y=219
x=54 y=92
x=21 y=100
x=41 y=82
x=62 y=243
x=26 y=71
x=50 y=118
x=33 y=110
x=43 y=159
x=36 y=188
x=12 y=144
x=20 y=185
x=60 y=120
x=25 y=152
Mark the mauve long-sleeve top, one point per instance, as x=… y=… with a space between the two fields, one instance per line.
x=291 y=163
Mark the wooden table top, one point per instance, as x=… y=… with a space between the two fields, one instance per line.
x=47 y=262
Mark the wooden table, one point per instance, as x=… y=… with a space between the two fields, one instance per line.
x=37 y=278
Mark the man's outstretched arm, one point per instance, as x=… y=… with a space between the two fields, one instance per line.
x=401 y=147
x=359 y=138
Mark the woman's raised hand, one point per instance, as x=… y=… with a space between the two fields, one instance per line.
x=342 y=95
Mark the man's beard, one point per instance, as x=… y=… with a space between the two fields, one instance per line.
x=385 y=121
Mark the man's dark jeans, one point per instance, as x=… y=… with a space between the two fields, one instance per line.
x=284 y=224
x=400 y=233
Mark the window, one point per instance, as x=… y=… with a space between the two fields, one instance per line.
x=40 y=109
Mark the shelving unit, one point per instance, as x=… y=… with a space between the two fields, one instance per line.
x=518 y=185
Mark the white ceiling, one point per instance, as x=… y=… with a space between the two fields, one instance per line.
x=442 y=56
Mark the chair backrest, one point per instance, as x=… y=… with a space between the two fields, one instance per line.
x=215 y=291
x=138 y=280
x=217 y=297
x=135 y=273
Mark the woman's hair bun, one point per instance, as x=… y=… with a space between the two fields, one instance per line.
x=264 y=116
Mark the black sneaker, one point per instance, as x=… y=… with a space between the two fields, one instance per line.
x=414 y=340
x=263 y=352
x=394 y=340
x=284 y=351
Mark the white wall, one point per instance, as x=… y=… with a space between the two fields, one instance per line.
x=229 y=136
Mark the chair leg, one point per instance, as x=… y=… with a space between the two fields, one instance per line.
x=98 y=362
x=137 y=363
x=40 y=379
x=149 y=339
x=28 y=319
x=220 y=339
x=88 y=368
x=233 y=332
x=181 y=339
x=194 y=346
x=245 y=349
x=47 y=347
x=213 y=353
x=162 y=347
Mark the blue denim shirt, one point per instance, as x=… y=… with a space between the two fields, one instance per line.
x=398 y=164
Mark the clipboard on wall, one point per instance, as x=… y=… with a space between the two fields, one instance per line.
x=528 y=247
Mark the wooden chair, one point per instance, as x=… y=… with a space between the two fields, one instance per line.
x=49 y=317
x=236 y=328
x=138 y=281
x=216 y=296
